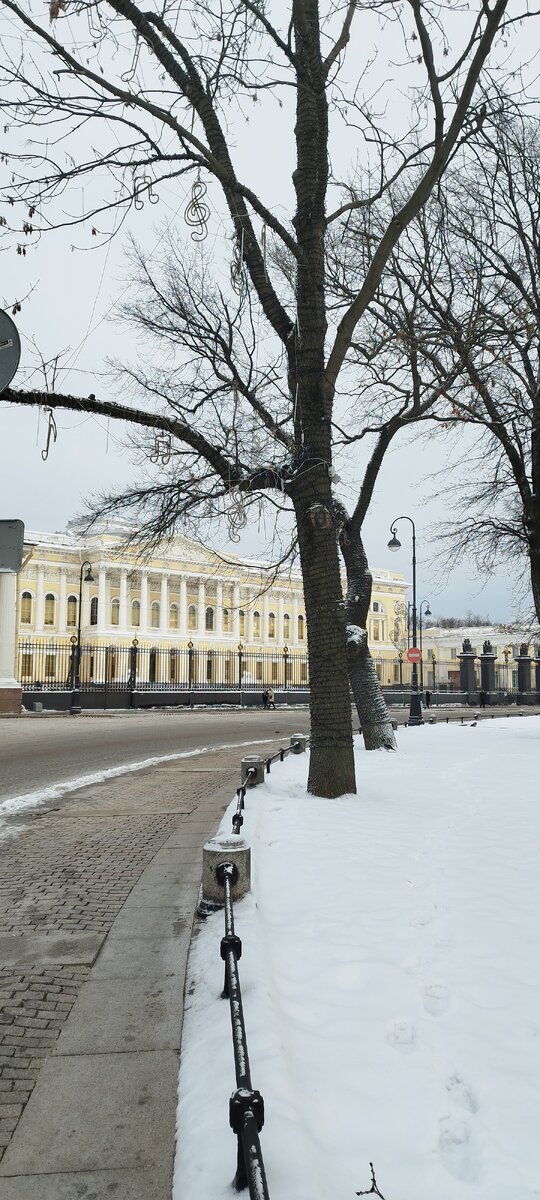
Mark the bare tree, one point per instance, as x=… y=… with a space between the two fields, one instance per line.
x=147 y=97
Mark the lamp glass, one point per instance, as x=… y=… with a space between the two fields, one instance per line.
x=394 y=543
x=89 y=578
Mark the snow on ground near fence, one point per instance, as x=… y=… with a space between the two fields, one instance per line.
x=391 y=980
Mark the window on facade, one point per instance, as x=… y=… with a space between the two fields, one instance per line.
x=396 y=672
x=303 y=673
x=152 y=665
x=173 y=616
x=115 y=612
x=135 y=613
x=258 y=671
x=26 y=666
x=71 y=610
x=376 y=632
x=274 y=672
x=271 y=625
x=93 y=610
x=50 y=666
x=242 y=616
x=286 y=626
x=300 y=629
x=173 y=665
x=209 y=619
x=376 y=606
x=209 y=669
x=192 y=617
x=256 y=624
x=226 y=620
x=453 y=652
x=26 y=608
x=154 y=614
x=49 y=609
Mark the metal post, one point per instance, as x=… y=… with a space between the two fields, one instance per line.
x=75 y=707
x=415 y=705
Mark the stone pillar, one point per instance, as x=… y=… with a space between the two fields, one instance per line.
x=280 y=636
x=201 y=616
x=122 y=612
x=182 y=621
x=144 y=603
x=40 y=599
x=467 y=677
x=10 y=689
x=164 y=605
x=102 y=614
x=295 y=605
x=266 y=610
x=219 y=610
x=487 y=668
x=236 y=613
x=62 y=602
x=524 y=670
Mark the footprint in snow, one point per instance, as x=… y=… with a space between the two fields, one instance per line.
x=435 y=998
x=456 y=1150
x=458 y=1091
x=401 y=1035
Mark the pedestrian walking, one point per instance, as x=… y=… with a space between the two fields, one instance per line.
x=271 y=701
x=265 y=698
x=482 y=696
x=428 y=698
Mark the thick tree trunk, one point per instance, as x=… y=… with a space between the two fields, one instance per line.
x=534 y=559
x=375 y=722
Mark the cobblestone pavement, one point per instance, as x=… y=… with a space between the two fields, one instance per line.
x=66 y=871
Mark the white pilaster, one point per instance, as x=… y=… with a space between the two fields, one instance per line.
x=295 y=606
x=102 y=614
x=236 y=612
x=62 y=602
x=144 y=602
x=202 y=607
x=280 y=636
x=122 y=613
x=249 y=607
x=164 y=605
x=219 y=610
x=183 y=607
x=8 y=633
x=266 y=610
x=40 y=599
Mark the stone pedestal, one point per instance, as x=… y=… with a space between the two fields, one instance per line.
x=487 y=668
x=467 y=675
x=524 y=662
x=10 y=689
x=298 y=743
x=220 y=850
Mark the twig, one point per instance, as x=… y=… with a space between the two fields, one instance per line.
x=373 y=1190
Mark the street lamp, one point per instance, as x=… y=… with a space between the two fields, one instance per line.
x=427 y=613
x=76 y=691
x=415 y=706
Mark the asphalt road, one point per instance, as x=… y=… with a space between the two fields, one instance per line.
x=38 y=752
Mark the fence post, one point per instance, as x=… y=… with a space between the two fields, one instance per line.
x=285 y=664
x=524 y=672
x=132 y=681
x=190 y=672
x=240 y=669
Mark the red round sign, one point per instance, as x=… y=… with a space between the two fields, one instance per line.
x=413 y=654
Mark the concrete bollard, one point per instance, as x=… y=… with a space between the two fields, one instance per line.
x=219 y=850
x=252 y=760
x=298 y=743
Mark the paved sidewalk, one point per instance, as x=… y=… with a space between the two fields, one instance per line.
x=97 y=895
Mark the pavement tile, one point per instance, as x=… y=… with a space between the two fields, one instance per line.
x=128 y=958
x=91 y=1185
x=109 y=1016
x=49 y=949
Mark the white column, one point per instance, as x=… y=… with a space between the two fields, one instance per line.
x=85 y=604
x=40 y=599
x=202 y=607
x=236 y=612
x=280 y=636
x=62 y=602
x=122 y=614
x=294 y=638
x=219 y=610
x=164 y=605
x=249 y=615
x=183 y=606
x=102 y=614
x=266 y=610
x=8 y=640
x=144 y=602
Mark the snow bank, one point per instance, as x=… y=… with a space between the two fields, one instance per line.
x=391 y=980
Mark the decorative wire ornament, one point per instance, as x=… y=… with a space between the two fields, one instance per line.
x=144 y=184
x=129 y=75
x=236 y=514
x=238 y=279
x=197 y=212
x=162 y=449
x=51 y=432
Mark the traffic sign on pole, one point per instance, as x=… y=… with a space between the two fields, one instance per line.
x=413 y=654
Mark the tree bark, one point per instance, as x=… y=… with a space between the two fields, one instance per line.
x=375 y=721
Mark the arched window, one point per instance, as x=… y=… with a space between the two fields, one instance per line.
x=135 y=613
x=377 y=607
x=173 y=616
x=93 y=610
x=300 y=629
x=71 y=610
x=376 y=631
x=115 y=612
x=49 y=609
x=242 y=629
x=256 y=624
x=192 y=617
x=154 y=614
x=271 y=625
x=286 y=626
x=226 y=620
x=26 y=608
x=209 y=621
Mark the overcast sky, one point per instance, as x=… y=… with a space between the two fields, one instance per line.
x=73 y=290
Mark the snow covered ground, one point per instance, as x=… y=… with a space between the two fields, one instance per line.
x=391 y=979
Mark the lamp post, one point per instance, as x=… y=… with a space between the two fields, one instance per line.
x=427 y=613
x=415 y=705
x=75 y=708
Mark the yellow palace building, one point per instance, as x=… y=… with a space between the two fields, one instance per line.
x=181 y=617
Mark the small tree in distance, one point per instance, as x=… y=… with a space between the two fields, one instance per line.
x=163 y=91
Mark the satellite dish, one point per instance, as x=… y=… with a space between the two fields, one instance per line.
x=10 y=350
